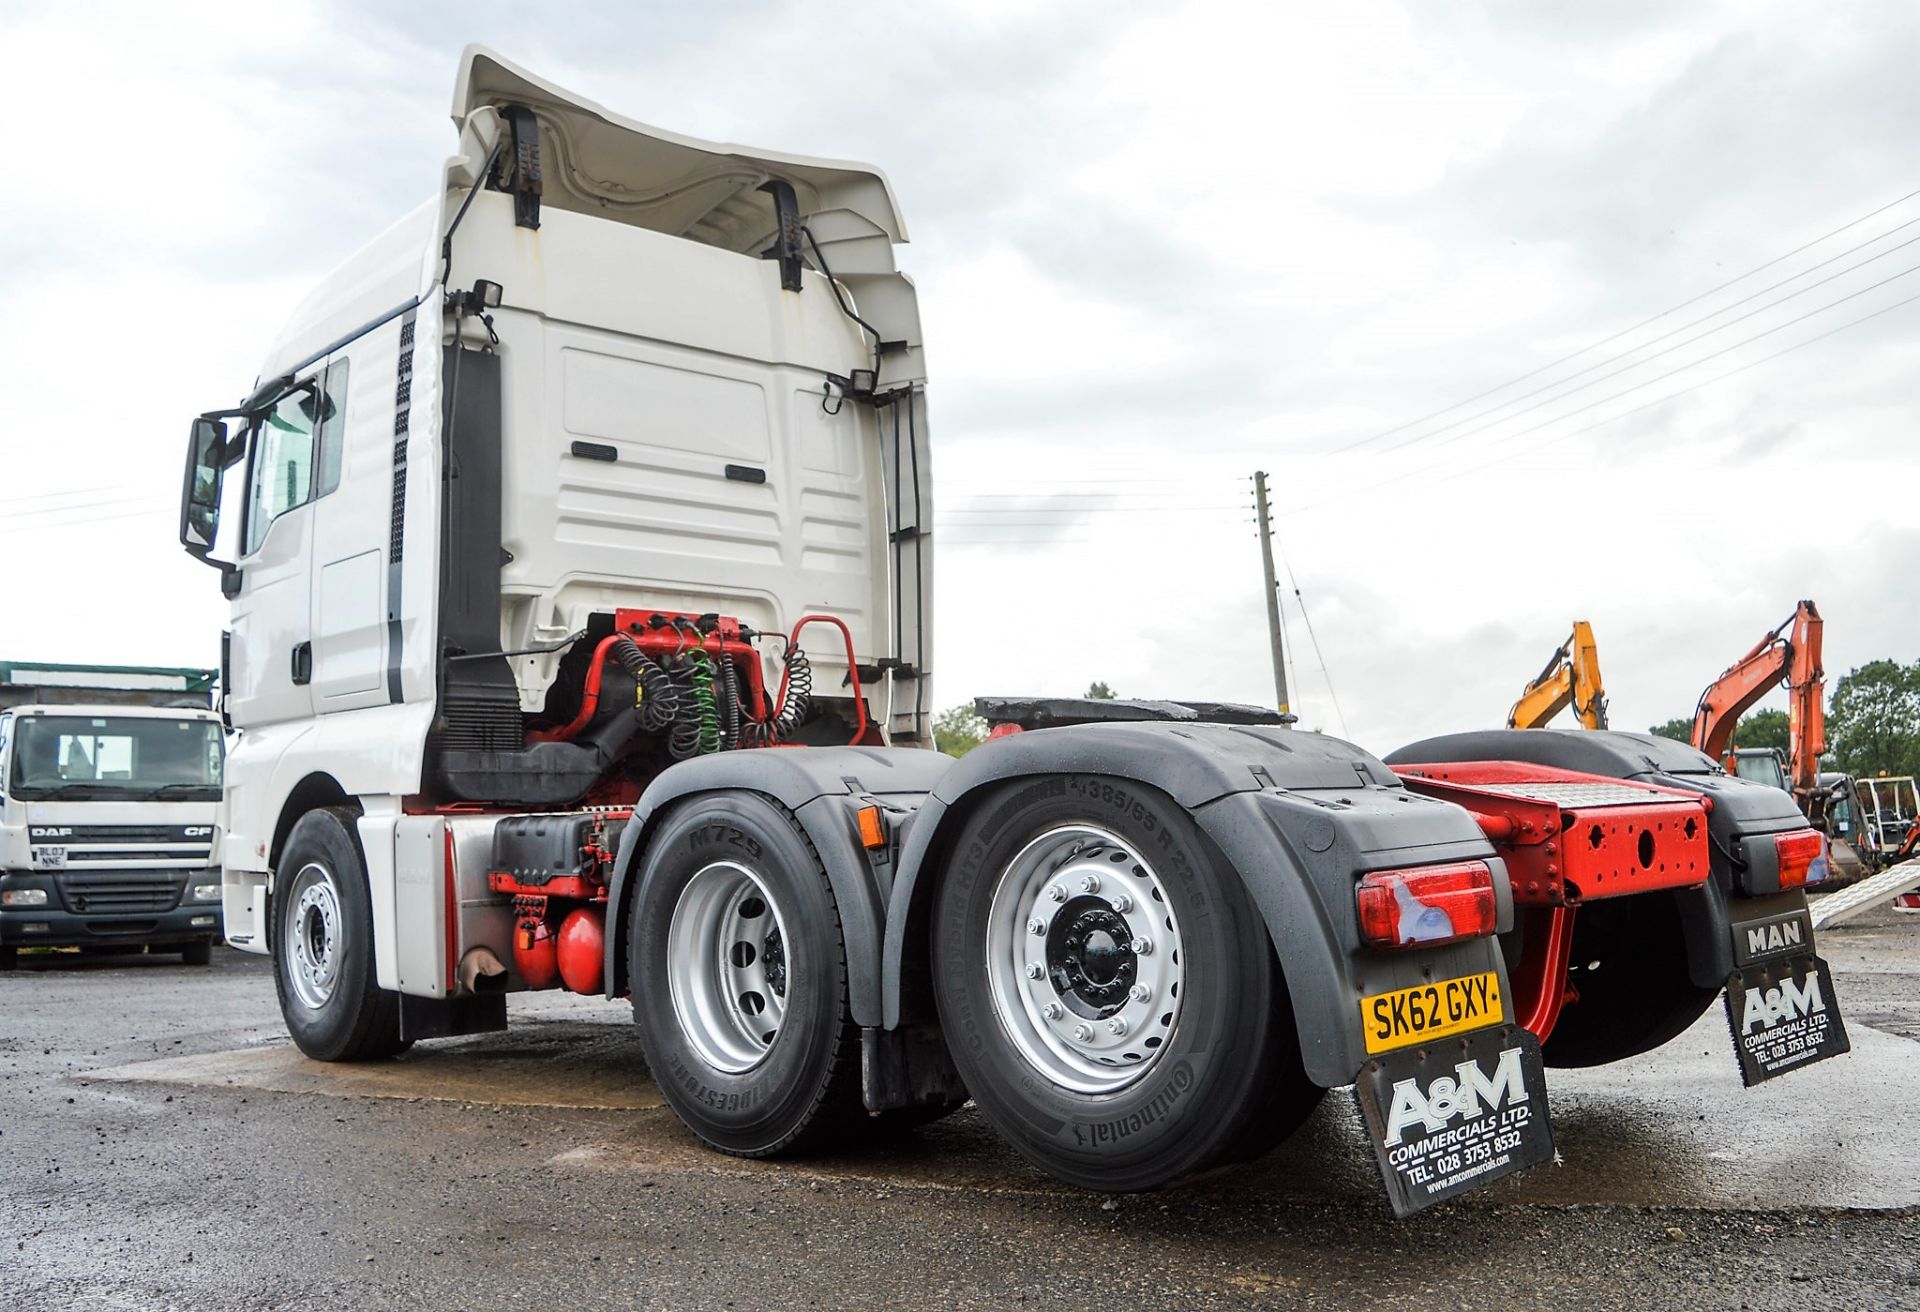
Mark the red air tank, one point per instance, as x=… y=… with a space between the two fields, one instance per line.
x=582 y=950
x=534 y=952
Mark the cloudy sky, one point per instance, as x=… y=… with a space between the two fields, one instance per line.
x=1159 y=246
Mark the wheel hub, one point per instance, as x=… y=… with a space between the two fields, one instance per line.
x=314 y=936
x=727 y=968
x=1089 y=961
x=1083 y=959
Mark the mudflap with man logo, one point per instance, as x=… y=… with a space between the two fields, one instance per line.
x=1449 y=1116
x=1784 y=1016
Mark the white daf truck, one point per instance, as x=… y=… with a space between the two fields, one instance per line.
x=578 y=535
x=109 y=780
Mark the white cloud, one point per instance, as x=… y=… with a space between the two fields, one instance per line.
x=1154 y=244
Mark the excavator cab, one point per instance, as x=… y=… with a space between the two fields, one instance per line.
x=1760 y=764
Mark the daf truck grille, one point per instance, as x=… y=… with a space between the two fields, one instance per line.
x=120 y=892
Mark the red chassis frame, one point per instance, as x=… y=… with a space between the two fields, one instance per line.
x=1569 y=838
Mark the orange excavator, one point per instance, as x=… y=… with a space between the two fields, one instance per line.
x=1789 y=654
x=1571 y=678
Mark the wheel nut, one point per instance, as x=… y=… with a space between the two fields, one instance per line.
x=1141 y=947
x=1052 y=1011
x=1035 y=970
x=1082 y=1033
x=1089 y=883
x=1058 y=892
x=1122 y=903
x=1141 y=993
x=1036 y=926
x=1117 y=1027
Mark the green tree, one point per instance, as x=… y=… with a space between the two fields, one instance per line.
x=1681 y=731
x=1874 y=721
x=958 y=730
x=1767 y=728
x=1099 y=692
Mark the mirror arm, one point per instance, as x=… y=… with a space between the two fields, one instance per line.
x=270 y=390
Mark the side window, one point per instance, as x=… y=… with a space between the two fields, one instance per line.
x=282 y=474
x=333 y=425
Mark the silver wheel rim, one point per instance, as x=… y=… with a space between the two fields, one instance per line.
x=727 y=966
x=1089 y=1011
x=315 y=935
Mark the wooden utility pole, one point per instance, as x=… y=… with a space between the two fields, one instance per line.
x=1273 y=595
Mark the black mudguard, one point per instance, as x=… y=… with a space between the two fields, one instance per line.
x=1297 y=815
x=822 y=787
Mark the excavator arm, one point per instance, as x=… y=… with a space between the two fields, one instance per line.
x=1790 y=653
x=1571 y=678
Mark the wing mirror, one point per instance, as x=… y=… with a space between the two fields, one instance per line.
x=210 y=453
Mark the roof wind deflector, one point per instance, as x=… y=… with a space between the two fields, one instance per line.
x=520 y=167
x=786 y=242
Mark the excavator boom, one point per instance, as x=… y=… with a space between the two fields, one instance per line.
x=1791 y=653
x=1571 y=678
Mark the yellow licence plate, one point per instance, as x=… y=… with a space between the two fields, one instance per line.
x=1431 y=1011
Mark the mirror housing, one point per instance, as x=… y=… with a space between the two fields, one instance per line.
x=210 y=453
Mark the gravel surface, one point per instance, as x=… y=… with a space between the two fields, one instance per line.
x=206 y=1184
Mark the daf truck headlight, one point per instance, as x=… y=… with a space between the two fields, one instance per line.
x=24 y=897
x=205 y=892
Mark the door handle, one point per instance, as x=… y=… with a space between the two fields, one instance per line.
x=303 y=662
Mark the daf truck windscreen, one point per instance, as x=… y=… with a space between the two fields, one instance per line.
x=112 y=757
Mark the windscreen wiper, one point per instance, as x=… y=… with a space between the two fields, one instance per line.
x=162 y=790
x=61 y=791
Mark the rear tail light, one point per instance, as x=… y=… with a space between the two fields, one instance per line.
x=1802 y=855
x=1427 y=906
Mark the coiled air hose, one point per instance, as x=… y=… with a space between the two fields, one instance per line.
x=659 y=698
x=796 y=698
x=697 y=732
x=729 y=695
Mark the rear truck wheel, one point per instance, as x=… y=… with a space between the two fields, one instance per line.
x=323 y=945
x=1629 y=967
x=740 y=980
x=9 y=958
x=197 y=954
x=1107 y=989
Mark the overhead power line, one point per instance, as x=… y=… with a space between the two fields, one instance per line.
x=1680 y=345
x=1312 y=637
x=1460 y=472
x=1712 y=355
x=1628 y=331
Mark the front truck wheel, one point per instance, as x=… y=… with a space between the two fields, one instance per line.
x=1107 y=989
x=739 y=980
x=323 y=945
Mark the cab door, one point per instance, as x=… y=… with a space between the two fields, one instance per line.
x=271 y=650
x=351 y=526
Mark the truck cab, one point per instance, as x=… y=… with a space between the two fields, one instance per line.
x=108 y=839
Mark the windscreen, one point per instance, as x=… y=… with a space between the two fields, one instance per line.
x=1762 y=768
x=122 y=758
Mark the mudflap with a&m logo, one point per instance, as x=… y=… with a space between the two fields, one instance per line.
x=1784 y=1016
x=1452 y=1115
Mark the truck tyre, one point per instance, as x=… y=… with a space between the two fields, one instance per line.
x=1107 y=989
x=1630 y=969
x=323 y=945
x=9 y=958
x=739 y=979
x=197 y=954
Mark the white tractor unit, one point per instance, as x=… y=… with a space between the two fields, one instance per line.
x=578 y=536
